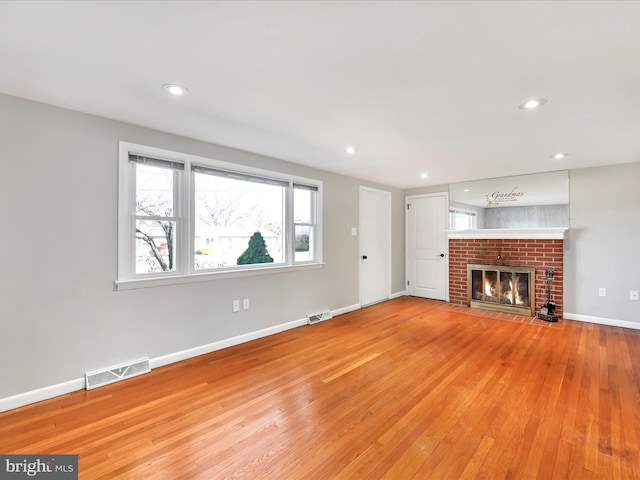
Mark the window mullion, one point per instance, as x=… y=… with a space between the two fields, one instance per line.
x=312 y=206
x=180 y=192
x=190 y=197
x=290 y=227
x=131 y=201
x=318 y=246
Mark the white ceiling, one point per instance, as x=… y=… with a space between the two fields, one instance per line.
x=416 y=86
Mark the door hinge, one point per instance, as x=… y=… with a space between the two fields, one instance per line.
x=408 y=206
x=407 y=283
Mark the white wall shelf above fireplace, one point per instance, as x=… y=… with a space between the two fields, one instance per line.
x=509 y=234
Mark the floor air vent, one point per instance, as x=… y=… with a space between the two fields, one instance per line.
x=319 y=317
x=109 y=375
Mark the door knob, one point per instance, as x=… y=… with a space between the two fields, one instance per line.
x=442 y=255
x=364 y=257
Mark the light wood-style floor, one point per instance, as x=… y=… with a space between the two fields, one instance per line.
x=406 y=389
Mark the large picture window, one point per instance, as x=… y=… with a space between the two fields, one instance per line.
x=185 y=216
x=230 y=208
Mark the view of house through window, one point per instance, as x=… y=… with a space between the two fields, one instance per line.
x=228 y=211
x=183 y=217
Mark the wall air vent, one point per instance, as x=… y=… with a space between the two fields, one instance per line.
x=319 y=317
x=99 y=378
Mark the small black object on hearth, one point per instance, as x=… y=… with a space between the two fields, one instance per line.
x=546 y=311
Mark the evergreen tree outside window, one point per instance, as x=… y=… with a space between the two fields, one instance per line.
x=256 y=252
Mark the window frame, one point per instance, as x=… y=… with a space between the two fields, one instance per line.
x=184 y=202
x=312 y=224
x=177 y=217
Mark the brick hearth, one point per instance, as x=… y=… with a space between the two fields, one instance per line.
x=538 y=253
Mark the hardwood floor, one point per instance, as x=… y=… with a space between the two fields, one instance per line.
x=406 y=389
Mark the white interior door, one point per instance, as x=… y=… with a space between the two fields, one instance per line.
x=427 y=259
x=375 y=245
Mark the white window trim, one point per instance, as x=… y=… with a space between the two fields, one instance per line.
x=185 y=272
x=315 y=224
x=122 y=285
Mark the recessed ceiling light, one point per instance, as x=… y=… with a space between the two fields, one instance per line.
x=351 y=150
x=423 y=175
x=559 y=155
x=177 y=90
x=533 y=104
x=466 y=190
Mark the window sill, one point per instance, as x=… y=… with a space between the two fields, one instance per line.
x=209 y=276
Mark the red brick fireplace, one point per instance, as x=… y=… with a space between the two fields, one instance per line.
x=539 y=253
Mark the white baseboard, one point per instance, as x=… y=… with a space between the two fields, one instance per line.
x=33 y=396
x=398 y=294
x=227 y=342
x=350 y=308
x=601 y=320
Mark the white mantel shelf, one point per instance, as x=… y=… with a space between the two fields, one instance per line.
x=509 y=234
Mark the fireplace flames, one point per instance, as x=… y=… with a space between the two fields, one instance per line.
x=512 y=296
x=489 y=289
x=508 y=295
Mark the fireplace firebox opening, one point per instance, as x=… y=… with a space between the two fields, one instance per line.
x=503 y=288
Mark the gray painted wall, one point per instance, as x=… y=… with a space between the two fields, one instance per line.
x=60 y=316
x=603 y=244
x=539 y=216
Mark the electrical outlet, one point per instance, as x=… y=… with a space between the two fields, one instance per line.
x=633 y=295
x=245 y=304
x=603 y=292
x=235 y=306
